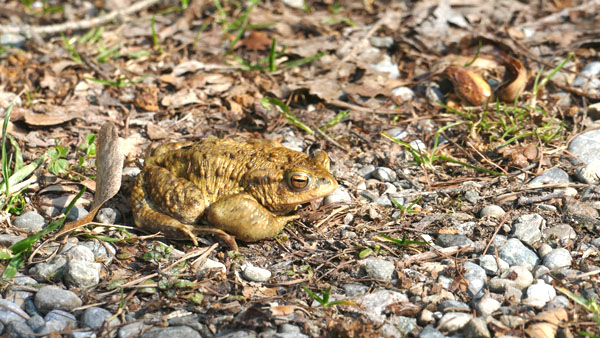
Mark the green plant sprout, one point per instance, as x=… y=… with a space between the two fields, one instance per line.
x=266 y=102
x=403 y=241
x=410 y=209
x=335 y=120
x=324 y=298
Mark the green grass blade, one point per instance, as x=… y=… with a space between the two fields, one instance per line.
x=335 y=120
x=285 y=110
x=303 y=61
x=5 y=164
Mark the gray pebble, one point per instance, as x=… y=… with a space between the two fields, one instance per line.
x=37 y=323
x=383 y=201
x=520 y=278
x=171 y=331
x=550 y=176
x=476 y=328
x=476 y=277
x=559 y=232
x=10 y=312
x=108 y=216
x=430 y=332
x=103 y=252
x=290 y=331
x=512 y=321
x=559 y=301
x=512 y=294
x=558 y=258
x=13 y=40
x=528 y=228
x=82 y=274
x=381 y=41
x=542 y=272
x=543 y=250
x=492 y=211
x=94 y=317
x=586 y=147
x=404 y=324
x=448 y=240
x=379 y=269
x=132 y=330
x=50 y=297
x=338 y=196
x=487 y=305
x=256 y=274
x=454 y=321
x=539 y=294
x=490 y=265
x=515 y=253
x=30 y=221
x=589 y=173
x=546 y=207
x=451 y=305
x=397 y=133
x=472 y=196
x=58 y=320
x=367 y=170
x=76 y=213
x=434 y=94
x=384 y=174
x=49 y=271
x=9 y=240
x=371 y=197
x=404 y=93
x=79 y=252
x=354 y=289
x=591 y=69
x=19 y=329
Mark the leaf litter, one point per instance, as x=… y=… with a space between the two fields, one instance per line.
x=371 y=67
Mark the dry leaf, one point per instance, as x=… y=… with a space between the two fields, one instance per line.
x=555 y=316
x=283 y=310
x=58 y=116
x=542 y=330
x=109 y=165
x=180 y=99
x=514 y=82
x=146 y=97
x=470 y=86
x=156 y=132
x=257 y=40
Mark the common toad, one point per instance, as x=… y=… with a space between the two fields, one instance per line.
x=244 y=189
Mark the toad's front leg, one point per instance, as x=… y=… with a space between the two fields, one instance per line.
x=242 y=216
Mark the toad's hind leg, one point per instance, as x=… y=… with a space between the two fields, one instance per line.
x=147 y=217
x=242 y=216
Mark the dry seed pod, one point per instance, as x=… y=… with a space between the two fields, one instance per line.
x=514 y=82
x=470 y=86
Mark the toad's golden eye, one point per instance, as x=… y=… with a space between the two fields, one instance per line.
x=298 y=181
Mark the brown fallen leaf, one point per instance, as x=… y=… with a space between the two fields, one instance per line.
x=156 y=132
x=468 y=85
x=57 y=116
x=542 y=330
x=146 y=97
x=109 y=165
x=555 y=316
x=256 y=40
x=514 y=82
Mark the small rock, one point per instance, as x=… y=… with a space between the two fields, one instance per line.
x=426 y=317
x=451 y=305
x=383 y=201
x=404 y=93
x=298 y=4
x=492 y=211
x=50 y=298
x=385 y=65
x=37 y=323
x=289 y=331
x=381 y=41
x=512 y=321
x=476 y=277
x=430 y=332
x=528 y=228
x=585 y=147
x=539 y=294
x=476 y=328
x=82 y=274
x=338 y=196
x=404 y=324
x=448 y=240
x=10 y=312
x=132 y=330
x=80 y=253
x=515 y=253
x=18 y=329
x=397 y=133
x=58 y=320
x=542 y=272
x=487 y=305
x=517 y=276
x=375 y=304
x=558 y=258
x=49 y=271
x=354 y=289
x=94 y=318
x=490 y=265
x=472 y=196
x=512 y=294
x=30 y=221
x=256 y=274
x=379 y=269
x=384 y=174
x=367 y=170
x=13 y=40
x=559 y=301
x=171 y=331
x=559 y=232
x=76 y=213
x=550 y=176
x=103 y=252
x=434 y=94
x=454 y=321
x=108 y=216
x=589 y=173
x=592 y=70
x=9 y=240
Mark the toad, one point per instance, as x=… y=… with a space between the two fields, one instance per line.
x=225 y=187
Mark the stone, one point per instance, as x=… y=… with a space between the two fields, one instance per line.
x=94 y=318
x=82 y=274
x=384 y=174
x=585 y=147
x=171 y=331
x=338 y=196
x=256 y=274
x=30 y=221
x=528 y=228
x=448 y=240
x=539 y=294
x=430 y=332
x=50 y=298
x=550 y=176
x=454 y=321
x=492 y=211
x=477 y=278
x=476 y=328
x=379 y=269
x=490 y=265
x=516 y=276
x=558 y=258
x=515 y=253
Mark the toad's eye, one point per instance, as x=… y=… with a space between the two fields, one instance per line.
x=298 y=181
